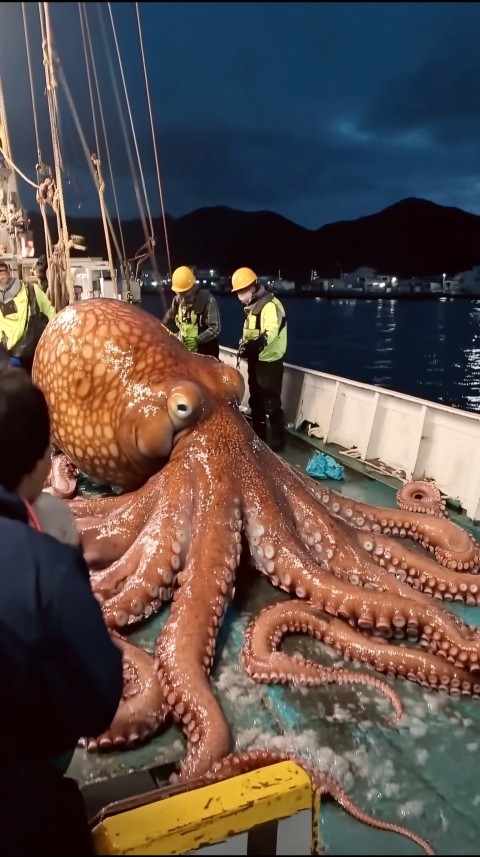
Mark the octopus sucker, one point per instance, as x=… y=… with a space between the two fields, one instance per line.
x=421 y=496
x=63 y=477
x=199 y=489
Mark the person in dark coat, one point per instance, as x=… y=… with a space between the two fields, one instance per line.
x=61 y=672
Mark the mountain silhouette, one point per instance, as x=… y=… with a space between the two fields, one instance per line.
x=411 y=237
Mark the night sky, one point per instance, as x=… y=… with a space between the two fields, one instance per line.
x=318 y=111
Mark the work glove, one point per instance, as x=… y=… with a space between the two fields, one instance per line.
x=251 y=348
x=191 y=343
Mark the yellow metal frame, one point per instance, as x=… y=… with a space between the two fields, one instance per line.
x=211 y=814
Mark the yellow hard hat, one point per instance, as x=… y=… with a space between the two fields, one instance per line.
x=242 y=279
x=183 y=279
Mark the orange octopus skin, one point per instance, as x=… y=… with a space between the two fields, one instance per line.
x=130 y=406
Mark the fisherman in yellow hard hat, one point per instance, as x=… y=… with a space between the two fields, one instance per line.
x=263 y=345
x=195 y=313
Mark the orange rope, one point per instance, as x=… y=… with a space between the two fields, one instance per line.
x=32 y=518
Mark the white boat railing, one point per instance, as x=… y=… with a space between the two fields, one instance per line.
x=420 y=439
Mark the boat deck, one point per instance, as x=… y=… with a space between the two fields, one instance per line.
x=422 y=774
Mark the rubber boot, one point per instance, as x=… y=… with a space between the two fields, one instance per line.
x=260 y=429
x=277 y=425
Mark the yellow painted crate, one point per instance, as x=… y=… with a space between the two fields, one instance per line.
x=273 y=810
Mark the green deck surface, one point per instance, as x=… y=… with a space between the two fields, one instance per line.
x=422 y=773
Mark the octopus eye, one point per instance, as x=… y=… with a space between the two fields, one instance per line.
x=184 y=404
x=183 y=409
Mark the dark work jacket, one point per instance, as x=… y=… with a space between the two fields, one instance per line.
x=61 y=679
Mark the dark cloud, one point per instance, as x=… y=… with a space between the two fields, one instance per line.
x=320 y=111
x=441 y=97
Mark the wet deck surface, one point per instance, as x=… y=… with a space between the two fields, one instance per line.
x=423 y=774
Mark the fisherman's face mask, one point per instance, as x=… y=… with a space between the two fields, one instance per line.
x=246 y=295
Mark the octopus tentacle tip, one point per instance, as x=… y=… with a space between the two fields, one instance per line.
x=421 y=496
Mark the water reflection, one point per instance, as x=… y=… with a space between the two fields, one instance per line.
x=429 y=349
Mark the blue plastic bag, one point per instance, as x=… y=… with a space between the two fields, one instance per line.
x=323 y=466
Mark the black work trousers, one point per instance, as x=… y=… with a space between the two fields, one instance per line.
x=211 y=348
x=265 y=388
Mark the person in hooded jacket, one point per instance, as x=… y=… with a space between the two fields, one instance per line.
x=62 y=674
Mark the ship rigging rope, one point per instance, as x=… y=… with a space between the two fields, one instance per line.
x=32 y=89
x=142 y=178
x=40 y=199
x=149 y=241
x=92 y=162
x=105 y=137
x=53 y=111
x=17 y=169
x=150 y=237
x=167 y=247
x=97 y=164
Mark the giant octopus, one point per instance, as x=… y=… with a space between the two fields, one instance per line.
x=131 y=407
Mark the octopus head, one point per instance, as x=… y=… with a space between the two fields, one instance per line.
x=156 y=416
x=122 y=390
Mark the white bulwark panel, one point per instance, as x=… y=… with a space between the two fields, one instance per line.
x=412 y=437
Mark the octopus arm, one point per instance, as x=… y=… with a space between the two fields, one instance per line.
x=420 y=571
x=421 y=496
x=287 y=563
x=342 y=552
x=106 y=536
x=142 y=710
x=264 y=663
x=99 y=507
x=106 y=540
x=134 y=587
x=451 y=546
x=186 y=646
x=337 y=549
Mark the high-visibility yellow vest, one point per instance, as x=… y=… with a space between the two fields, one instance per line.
x=188 y=317
x=268 y=317
x=12 y=327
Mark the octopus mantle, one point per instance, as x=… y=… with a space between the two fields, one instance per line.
x=132 y=407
